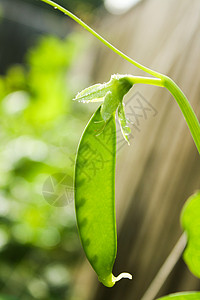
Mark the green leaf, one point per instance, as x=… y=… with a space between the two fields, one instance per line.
x=94 y=93
x=182 y=296
x=111 y=94
x=118 y=85
x=109 y=106
x=190 y=221
x=123 y=122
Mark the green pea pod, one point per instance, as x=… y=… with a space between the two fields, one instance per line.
x=95 y=196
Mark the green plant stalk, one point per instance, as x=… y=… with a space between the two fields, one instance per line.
x=100 y=38
x=146 y=80
x=162 y=80
x=186 y=109
x=180 y=98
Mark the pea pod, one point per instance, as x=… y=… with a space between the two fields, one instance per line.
x=95 y=196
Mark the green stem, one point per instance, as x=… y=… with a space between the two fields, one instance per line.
x=100 y=38
x=186 y=109
x=146 y=80
x=161 y=79
x=181 y=99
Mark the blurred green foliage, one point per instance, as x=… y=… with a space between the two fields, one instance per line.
x=40 y=127
x=191 y=224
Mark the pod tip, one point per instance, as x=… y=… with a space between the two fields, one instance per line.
x=123 y=275
x=110 y=280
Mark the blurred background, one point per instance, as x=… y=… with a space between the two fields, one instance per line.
x=45 y=59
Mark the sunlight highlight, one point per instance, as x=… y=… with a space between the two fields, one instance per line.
x=119 y=6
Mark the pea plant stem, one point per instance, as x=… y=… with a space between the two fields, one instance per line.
x=165 y=269
x=100 y=38
x=186 y=109
x=161 y=79
x=146 y=80
x=180 y=98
